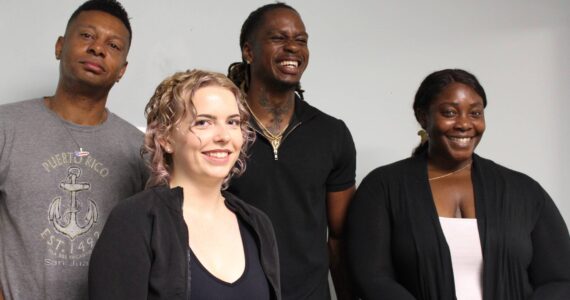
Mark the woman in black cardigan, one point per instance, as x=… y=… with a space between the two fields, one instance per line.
x=400 y=241
x=184 y=237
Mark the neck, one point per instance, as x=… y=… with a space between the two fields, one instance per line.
x=79 y=106
x=273 y=108
x=444 y=165
x=201 y=197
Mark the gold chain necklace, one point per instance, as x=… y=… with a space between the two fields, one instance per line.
x=451 y=173
x=274 y=139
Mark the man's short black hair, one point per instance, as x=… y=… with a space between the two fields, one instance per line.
x=112 y=7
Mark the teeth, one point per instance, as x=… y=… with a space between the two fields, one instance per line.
x=460 y=140
x=289 y=63
x=217 y=154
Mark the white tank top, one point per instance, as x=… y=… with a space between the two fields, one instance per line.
x=462 y=236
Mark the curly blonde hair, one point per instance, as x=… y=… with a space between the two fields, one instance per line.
x=170 y=104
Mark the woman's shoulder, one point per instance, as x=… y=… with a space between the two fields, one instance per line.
x=492 y=170
x=397 y=168
x=148 y=200
x=520 y=186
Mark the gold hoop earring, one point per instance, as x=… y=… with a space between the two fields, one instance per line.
x=424 y=136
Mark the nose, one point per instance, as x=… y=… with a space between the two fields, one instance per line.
x=222 y=135
x=291 y=45
x=463 y=122
x=96 y=48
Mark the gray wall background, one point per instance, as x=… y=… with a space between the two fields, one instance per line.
x=367 y=60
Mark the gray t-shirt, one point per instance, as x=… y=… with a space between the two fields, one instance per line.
x=54 y=199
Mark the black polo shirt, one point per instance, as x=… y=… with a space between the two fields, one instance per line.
x=316 y=156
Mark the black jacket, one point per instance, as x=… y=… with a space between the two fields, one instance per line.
x=142 y=251
x=398 y=251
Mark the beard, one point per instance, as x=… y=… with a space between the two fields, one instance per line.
x=283 y=86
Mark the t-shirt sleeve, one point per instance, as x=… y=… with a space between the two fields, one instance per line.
x=2 y=134
x=343 y=174
x=3 y=146
x=144 y=170
x=142 y=159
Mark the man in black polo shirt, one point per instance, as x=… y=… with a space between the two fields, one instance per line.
x=301 y=170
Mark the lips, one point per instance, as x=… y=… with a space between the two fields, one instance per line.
x=220 y=156
x=217 y=154
x=289 y=65
x=93 y=67
x=461 y=141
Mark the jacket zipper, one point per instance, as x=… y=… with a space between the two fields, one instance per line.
x=276 y=146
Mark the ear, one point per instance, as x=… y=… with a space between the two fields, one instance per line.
x=247 y=53
x=59 y=47
x=166 y=144
x=421 y=117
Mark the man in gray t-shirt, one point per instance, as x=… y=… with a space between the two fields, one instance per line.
x=66 y=161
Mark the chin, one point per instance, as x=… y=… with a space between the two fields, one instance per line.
x=284 y=83
x=459 y=153
x=462 y=156
x=451 y=155
x=218 y=174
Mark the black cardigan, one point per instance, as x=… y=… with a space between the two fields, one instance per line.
x=397 y=249
x=142 y=251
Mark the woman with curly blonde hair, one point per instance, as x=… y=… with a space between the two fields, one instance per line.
x=185 y=237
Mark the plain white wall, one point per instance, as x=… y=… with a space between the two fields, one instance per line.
x=367 y=60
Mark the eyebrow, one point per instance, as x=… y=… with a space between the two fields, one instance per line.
x=112 y=36
x=456 y=103
x=208 y=116
x=277 y=31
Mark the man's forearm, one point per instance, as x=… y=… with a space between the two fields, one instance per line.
x=339 y=270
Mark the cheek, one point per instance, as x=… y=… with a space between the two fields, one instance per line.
x=119 y=63
x=268 y=51
x=481 y=127
x=189 y=143
x=436 y=125
x=75 y=47
x=237 y=139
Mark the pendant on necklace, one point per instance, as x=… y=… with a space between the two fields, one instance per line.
x=81 y=153
x=275 y=144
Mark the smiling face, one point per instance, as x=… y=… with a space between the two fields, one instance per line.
x=277 y=50
x=206 y=147
x=455 y=123
x=94 y=50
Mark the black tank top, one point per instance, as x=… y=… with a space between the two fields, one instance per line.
x=252 y=284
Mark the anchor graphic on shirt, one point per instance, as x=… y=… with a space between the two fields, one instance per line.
x=67 y=222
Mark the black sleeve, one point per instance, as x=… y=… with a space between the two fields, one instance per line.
x=369 y=249
x=120 y=262
x=549 y=271
x=343 y=175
